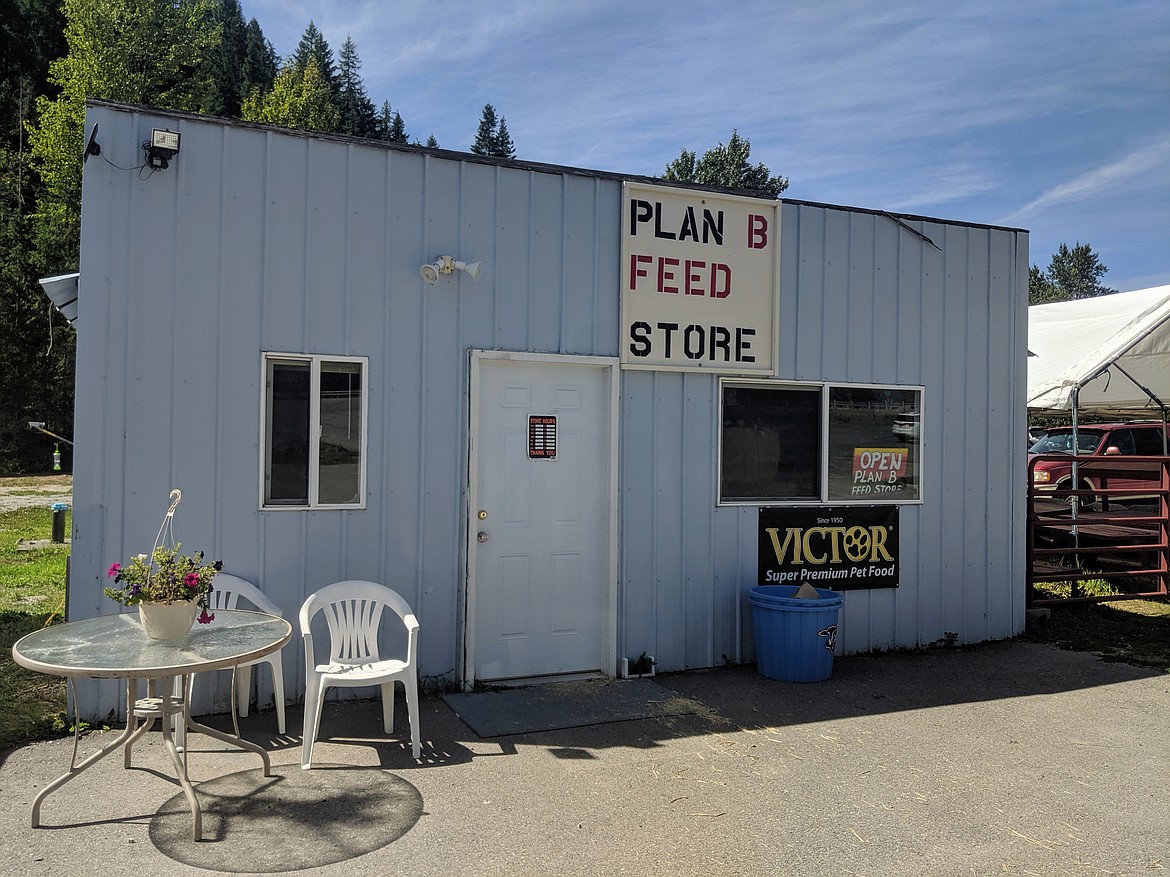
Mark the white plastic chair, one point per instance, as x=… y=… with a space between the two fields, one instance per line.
x=226 y=593
x=354 y=611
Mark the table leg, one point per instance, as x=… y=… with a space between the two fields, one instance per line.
x=76 y=767
x=238 y=742
x=131 y=710
x=180 y=762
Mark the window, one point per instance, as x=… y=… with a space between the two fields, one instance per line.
x=771 y=443
x=815 y=443
x=1148 y=441
x=314 y=432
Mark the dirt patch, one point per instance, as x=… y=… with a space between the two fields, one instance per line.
x=25 y=491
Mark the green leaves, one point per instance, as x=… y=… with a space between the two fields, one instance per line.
x=728 y=167
x=298 y=99
x=1072 y=273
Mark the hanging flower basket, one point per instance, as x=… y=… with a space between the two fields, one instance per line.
x=168 y=587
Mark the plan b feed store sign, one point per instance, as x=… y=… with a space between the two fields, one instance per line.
x=699 y=279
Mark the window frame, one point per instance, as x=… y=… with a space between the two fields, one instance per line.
x=314 y=362
x=825 y=389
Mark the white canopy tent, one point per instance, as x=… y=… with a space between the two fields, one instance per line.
x=1108 y=355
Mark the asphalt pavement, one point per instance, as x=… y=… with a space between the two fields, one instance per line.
x=1006 y=758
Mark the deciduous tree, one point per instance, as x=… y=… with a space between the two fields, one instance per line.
x=300 y=98
x=138 y=51
x=727 y=166
x=1072 y=273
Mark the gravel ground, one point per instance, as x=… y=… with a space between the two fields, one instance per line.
x=22 y=491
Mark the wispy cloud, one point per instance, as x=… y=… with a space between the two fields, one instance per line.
x=999 y=111
x=1132 y=169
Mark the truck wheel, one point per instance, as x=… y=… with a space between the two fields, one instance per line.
x=1088 y=500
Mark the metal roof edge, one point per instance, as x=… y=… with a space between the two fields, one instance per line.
x=515 y=163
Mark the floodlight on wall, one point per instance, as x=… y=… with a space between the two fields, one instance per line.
x=430 y=273
x=449 y=265
x=162 y=146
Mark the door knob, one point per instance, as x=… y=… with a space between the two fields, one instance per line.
x=482 y=537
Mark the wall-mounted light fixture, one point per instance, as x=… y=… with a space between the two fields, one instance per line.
x=162 y=146
x=449 y=265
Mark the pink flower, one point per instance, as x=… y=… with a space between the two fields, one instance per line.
x=191 y=580
x=205 y=617
x=114 y=569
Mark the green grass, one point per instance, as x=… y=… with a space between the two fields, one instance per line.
x=1085 y=588
x=32 y=595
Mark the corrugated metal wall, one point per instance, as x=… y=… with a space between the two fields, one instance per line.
x=863 y=299
x=256 y=240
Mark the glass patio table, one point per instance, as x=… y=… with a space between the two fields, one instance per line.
x=116 y=647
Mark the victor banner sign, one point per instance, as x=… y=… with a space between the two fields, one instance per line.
x=843 y=548
x=699 y=278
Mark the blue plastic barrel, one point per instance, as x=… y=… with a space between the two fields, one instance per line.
x=795 y=637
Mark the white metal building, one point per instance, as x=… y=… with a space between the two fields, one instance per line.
x=562 y=462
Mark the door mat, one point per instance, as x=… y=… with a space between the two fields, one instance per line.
x=558 y=705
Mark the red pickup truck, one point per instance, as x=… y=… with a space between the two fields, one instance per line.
x=1095 y=441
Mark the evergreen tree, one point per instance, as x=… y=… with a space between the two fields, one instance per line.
x=397 y=132
x=259 y=68
x=225 y=62
x=727 y=166
x=431 y=143
x=1071 y=274
x=503 y=145
x=485 y=135
x=492 y=138
x=389 y=125
x=383 y=121
x=358 y=117
x=300 y=98
x=36 y=343
x=313 y=46
x=32 y=33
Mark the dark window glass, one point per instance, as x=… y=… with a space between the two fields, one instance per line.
x=1122 y=439
x=771 y=449
x=1148 y=442
x=288 y=433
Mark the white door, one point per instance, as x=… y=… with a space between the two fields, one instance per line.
x=541 y=518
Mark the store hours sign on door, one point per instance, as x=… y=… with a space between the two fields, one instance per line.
x=699 y=279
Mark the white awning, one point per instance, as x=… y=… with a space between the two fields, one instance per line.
x=1110 y=346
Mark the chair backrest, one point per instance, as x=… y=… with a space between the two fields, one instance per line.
x=227 y=590
x=353 y=610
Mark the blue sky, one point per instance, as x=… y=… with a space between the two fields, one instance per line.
x=1049 y=116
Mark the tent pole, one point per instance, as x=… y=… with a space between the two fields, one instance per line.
x=1076 y=500
x=1161 y=405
